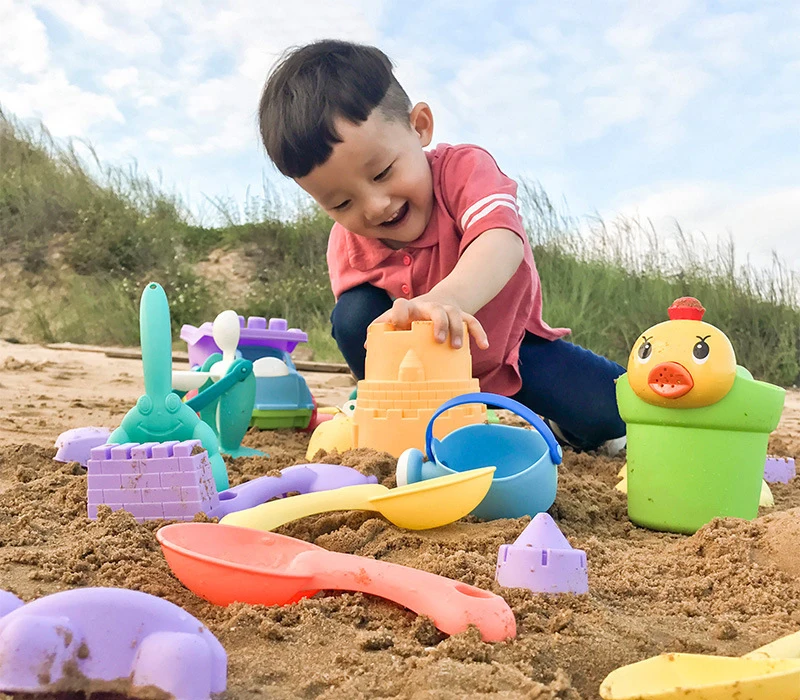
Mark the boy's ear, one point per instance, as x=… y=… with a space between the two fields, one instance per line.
x=422 y=122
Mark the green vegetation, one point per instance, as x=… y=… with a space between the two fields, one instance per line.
x=80 y=240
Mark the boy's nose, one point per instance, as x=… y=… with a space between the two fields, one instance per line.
x=377 y=210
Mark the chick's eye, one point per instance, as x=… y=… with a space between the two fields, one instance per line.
x=644 y=351
x=700 y=351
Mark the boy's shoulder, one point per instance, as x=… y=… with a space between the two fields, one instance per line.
x=444 y=153
x=454 y=163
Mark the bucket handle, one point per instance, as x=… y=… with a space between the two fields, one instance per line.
x=497 y=401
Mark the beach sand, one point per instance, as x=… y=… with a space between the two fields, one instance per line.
x=729 y=588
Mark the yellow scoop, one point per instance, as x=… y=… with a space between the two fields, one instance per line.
x=771 y=672
x=420 y=506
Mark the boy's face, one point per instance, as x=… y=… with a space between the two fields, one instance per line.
x=377 y=182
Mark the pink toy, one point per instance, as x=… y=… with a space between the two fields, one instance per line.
x=542 y=561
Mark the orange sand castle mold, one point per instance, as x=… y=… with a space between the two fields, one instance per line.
x=408 y=376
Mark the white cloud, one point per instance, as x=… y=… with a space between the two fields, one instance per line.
x=25 y=46
x=120 y=27
x=65 y=109
x=642 y=22
x=757 y=222
x=120 y=78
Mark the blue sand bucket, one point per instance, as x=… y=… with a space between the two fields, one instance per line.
x=526 y=475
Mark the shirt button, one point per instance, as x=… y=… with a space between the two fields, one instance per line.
x=406 y=260
x=405 y=289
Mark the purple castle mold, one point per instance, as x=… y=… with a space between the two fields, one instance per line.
x=170 y=480
x=542 y=560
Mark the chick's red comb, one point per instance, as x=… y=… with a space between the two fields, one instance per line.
x=686 y=309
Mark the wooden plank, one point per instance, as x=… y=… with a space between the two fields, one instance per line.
x=332 y=367
x=179 y=356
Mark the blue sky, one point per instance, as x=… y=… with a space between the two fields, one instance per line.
x=666 y=109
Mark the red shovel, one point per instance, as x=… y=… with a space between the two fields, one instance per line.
x=226 y=564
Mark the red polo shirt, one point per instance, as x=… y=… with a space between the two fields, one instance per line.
x=471 y=195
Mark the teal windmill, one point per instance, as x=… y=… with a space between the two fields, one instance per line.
x=159 y=414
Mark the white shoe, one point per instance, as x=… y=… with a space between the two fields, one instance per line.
x=612 y=448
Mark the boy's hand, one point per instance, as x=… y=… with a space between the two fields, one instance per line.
x=448 y=319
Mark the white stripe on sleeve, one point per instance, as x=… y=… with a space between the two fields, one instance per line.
x=482 y=202
x=489 y=209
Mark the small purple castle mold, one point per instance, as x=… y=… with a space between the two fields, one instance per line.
x=76 y=445
x=170 y=480
x=109 y=635
x=542 y=560
x=256 y=333
x=779 y=469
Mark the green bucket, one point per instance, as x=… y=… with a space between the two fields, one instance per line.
x=687 y=466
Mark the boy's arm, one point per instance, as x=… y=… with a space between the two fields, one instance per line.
x=483 y=269
x=482 y=201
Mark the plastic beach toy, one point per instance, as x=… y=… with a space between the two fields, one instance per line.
x=130 y=638
x=779 y=470
x=334 y=434
x=282 y=398
x=229 y=564
x=75 y=445
x=229 y=410
x=526 y=460
x=172 y=480
x=303 y=478
x=416 y=507
x=697 y=425
x=771 y=672
x=8 y=603
x=159 y=415
x=542 y=560
x=256 y=336
x=407 y=375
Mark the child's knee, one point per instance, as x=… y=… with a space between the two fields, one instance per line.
x=356 y=309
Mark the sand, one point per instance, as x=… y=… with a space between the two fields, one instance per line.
x=732 y=586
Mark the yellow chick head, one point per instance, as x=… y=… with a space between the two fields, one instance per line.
x=683 y=362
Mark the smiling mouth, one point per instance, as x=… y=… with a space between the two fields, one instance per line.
x=397 y=218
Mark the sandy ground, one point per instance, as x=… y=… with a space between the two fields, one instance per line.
x=44 y=391
x=732 y=586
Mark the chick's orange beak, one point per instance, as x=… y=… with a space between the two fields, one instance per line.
x=670 y=380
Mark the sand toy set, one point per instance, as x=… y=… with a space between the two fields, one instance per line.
x=697 y=433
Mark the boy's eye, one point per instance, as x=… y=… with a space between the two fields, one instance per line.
x=382 y=174
x=341 y=206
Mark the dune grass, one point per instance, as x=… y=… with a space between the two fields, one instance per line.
x=87 y=238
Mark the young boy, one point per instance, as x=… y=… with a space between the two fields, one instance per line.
x=426 y=235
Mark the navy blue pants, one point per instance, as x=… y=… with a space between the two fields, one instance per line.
x=561 y=381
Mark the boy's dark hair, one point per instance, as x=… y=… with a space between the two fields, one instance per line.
x=311 y=87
